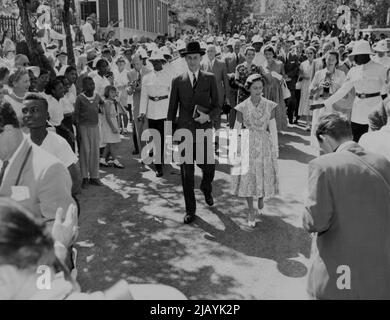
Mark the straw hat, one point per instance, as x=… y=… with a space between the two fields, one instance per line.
x=361 y=47
x=257 y=39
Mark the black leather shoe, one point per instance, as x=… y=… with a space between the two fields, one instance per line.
x=96 y=182
x=189 y=218
x=208 y=197
x=85 y=183
x=159 y=173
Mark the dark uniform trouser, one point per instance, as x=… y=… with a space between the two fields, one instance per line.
x=292 y=105
x=233 y=103
x=187 y=177
x=159 y=126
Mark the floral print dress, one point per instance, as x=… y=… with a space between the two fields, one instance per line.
x=257 y=174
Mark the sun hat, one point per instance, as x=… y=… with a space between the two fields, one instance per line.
x=157 y=55
x=381 y=46
x=361 y=47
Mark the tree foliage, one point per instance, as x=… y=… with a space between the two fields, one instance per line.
x=225 y=13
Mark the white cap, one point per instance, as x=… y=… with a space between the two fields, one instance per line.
x=361 y=47
x=381 y=46
x=142 y=52
x=236 y=36
x=257 y=39
x=274 y=38
x=242 y=38
x=157 y=55
x=291 y=38
x=165 y=51
x=203 y=45
x=210 y=40
x=231 y=42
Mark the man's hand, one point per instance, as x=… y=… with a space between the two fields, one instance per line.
x=203 y=118
x=141 y=117
x=65 y=230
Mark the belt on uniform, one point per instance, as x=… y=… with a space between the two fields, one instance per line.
x=155 y=99
x=367 y=95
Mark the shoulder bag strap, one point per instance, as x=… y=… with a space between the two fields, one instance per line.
x=369 y=166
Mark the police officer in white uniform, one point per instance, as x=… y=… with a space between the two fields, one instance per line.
x=369 y=80
x=382 y=48
x=156 y=87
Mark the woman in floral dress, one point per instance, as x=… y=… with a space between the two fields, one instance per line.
x=243 y=71
x=257 y=176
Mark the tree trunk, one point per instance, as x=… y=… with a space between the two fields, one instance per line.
x=69 y=40
x=28 y=33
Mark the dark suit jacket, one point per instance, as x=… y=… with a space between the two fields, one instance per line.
x=184 y=98
x=291 y=68
x=219 y=71
x=231 y=62
x=349 y=207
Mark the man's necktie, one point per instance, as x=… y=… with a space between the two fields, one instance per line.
x=59 y=67
x=194 y=82
x=236 y=59
x=4 y=166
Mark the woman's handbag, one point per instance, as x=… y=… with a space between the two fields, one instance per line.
x=286 y=91
x=298 y=85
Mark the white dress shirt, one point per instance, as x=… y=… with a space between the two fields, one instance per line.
x=368 y=78
x=13 y=157
x=385 y=61
x=60 y=148
x=155 y=84
x=56 y=110
x=377 y=141
x=191 y=75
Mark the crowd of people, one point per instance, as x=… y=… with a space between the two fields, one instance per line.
x=59 y=124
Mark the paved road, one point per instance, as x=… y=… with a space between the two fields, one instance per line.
x=132 y=229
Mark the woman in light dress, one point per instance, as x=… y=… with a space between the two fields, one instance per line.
x=306 y=74
x=257 y=175
x=121 y=82
x=273 y=88
x=325 y=83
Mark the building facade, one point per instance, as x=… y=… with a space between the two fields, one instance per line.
x=130 y=17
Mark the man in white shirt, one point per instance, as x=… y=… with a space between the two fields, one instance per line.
x=61 y=64
x=378 y=141
x=35 y=115
x=155 y=92
x=257 y=43
x=28 y=174
x=88 y=31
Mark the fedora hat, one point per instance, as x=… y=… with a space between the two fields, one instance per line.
x=361 y=47
x=381 y=46
x=193 y=48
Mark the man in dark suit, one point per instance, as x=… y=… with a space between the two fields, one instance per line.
x=232 y=61
x=218 y=69
x=349 y=207
x=291 y=68
x=192 y=91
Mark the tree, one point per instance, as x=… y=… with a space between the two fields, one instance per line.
x=66 y=22
x=224 y=12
